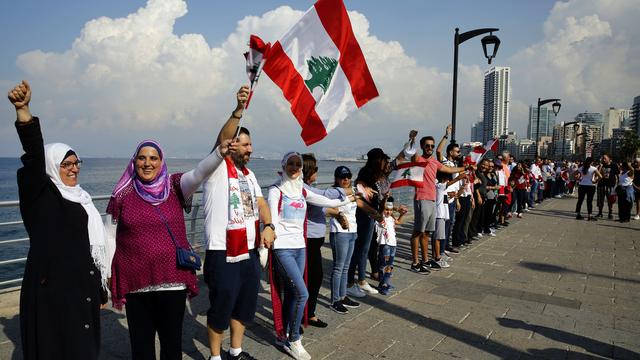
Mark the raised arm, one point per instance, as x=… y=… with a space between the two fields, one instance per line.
x=443 y=143
x=229 y=129
x=32 y=176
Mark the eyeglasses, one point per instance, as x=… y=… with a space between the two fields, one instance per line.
x=67 y=165
x=429 y=145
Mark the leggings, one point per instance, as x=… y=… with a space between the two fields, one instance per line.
x=588 y=191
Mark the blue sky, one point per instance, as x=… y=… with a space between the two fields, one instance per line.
x=555 y=49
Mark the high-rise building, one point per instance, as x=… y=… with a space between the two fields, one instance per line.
x=634 y=115
x=497 y=98
x=526 y=149
x=508 y=142
x=613 y=119
x=547 y=121
x=589 y=118
x=476 y=132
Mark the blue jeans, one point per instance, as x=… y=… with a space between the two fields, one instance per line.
x=533 y=192
x=386 y=254
x=342 y=244
x=448 y=227
x=361 y=248
x=291 y=267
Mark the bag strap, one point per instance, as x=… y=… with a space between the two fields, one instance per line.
x=166 y=224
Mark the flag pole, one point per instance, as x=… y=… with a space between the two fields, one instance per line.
x=254 y=83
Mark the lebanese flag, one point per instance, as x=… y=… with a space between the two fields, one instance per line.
x=255 y=60
x=321 y=70
x=408 y=174
x=479 y=151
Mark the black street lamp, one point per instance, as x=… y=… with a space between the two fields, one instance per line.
x=576 y=126
x=556 y=109
x=490 y=44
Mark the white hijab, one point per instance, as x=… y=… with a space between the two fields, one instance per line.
x=54 y=155
x=290 y=187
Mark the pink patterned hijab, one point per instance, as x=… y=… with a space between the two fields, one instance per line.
x=155 y=191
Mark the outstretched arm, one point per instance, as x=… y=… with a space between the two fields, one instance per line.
x=229 y=129
x=191 y=180
x=443 y=143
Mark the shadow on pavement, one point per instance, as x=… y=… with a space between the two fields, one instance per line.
x=560 y=269
x=11 y=328
x=620 y=227
x=590 y=345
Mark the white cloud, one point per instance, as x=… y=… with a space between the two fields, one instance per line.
x=586 y=57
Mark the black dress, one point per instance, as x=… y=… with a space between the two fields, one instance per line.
x=61 y=288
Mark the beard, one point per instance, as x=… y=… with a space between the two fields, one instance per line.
x=240 y=160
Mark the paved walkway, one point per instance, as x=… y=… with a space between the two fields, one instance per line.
x=547 y=287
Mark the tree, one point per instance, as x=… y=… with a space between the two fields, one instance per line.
x=630 y=145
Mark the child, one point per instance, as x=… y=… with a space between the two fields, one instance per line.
x=442 y=216
x=386 y=231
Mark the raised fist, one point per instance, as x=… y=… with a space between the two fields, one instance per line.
x=20 y=95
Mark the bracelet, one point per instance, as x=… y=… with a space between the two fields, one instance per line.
x=233 y=115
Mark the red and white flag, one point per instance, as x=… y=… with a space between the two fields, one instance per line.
x=479 y=151
x=321 y=70
x=408 y=174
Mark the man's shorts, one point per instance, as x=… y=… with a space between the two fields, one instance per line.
x=233 y=288
x=425 y=216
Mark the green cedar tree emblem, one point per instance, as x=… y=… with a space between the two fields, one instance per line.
x=322 y=69
x=234 y=201
x=406 y=174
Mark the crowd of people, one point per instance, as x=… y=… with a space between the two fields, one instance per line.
x=138 y=254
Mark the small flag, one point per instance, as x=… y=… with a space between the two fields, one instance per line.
x=321 y=70
x=255 y=60
x=408 y=174
x=479 y=151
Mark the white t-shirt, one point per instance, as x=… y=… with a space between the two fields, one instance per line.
x=587 y=179
x=535 y=170
x=387 y=232
x=289 y=218
x=215 y=201
x=349 y=211
x=442 y=208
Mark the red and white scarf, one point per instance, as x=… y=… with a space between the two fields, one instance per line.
x=237 y=241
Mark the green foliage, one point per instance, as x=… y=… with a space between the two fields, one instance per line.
x=630 y=145
x=322 y=69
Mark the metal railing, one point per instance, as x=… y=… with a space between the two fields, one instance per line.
x=194 y=224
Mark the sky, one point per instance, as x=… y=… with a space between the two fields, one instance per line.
x=108 y=74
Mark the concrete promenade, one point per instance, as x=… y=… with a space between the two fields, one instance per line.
x=546 y=287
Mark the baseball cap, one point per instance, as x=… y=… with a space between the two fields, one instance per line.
x=342 y=172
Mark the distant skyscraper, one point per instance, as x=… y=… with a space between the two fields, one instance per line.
x=497 y=98
x=613 y=119
x=476 y=132
x=547 y=121
x=634 y=116
x=591 y=119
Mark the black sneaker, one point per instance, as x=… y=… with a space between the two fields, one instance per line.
x=579 y=217
x=350 y=303
x=599 y=215
x=420 y=269
x=610 y=217
x=339 y=308
x=242 y=356
x=433 y=265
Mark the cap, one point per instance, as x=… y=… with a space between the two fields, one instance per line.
x=388 y=205
x=342 y=172
x=377 y=153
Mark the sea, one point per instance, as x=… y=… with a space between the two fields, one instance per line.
x=99 y=175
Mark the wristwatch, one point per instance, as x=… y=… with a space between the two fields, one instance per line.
x=273 y=227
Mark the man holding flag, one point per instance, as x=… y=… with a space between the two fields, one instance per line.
x=424 y=203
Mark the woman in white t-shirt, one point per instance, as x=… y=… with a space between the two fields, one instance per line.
x=343 y=239
x=590 y=176
x=288 y=204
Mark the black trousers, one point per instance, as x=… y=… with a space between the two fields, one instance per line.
x=476 y=220
x=624 y=206
x=151 y=312
x=314 y=273
x=588 y=191
x=373 y=253
x=488 y=217
x=459 y=237
x=521 y=198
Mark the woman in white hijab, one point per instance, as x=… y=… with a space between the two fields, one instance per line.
x=288 y=204
x=64 y=283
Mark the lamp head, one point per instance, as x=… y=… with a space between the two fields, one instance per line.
x=490 y=44
x=556 y=107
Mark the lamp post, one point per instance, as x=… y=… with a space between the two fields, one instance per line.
x=487 y=42
x=556 y=109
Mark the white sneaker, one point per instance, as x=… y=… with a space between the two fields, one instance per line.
x=479 y=235
x=446 y=257
x=492 y=234
x=297 y=351
x=367 y=288
x=637 y=217
x=526 y=210
x=558 y=197
x=443 y=263
x=355 y=291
